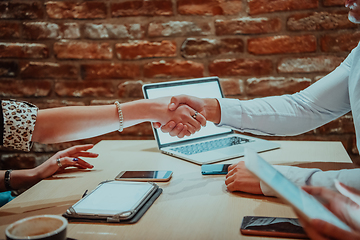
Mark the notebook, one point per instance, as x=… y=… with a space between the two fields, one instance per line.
x=211 y=144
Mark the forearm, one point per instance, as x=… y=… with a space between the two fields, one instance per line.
x=74 y=123
x=81 y=122
x=20 y=179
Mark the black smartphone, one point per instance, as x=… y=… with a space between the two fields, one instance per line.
x=214 y=169
x=144 y=176
x=272 y=227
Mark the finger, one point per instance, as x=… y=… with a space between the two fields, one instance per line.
x=168 y=127
x=231 y=167
x=230 y=179
x=85 y=154
x=75 y=162
x=179 y=127
x=156 y=125
x=175 y=101
x=201 y=119
x=191 y=129
x=351 y=189
x=183 y=133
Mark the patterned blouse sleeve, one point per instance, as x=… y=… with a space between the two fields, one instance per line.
x=18 y=124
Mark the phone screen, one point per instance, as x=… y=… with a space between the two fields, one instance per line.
x=272 y=226
x=144 y=175
x=209 y=169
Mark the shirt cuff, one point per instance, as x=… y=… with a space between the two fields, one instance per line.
x=230 y=112
x=19 y=124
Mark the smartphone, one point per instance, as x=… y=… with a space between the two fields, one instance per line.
x=144 y=176
x=272 y=227
x=214 y=169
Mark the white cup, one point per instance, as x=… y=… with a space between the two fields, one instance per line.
x=42 y=227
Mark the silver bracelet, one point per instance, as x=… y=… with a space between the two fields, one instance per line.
x=121 y=118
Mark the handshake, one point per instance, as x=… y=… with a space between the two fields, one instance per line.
x=184 y=115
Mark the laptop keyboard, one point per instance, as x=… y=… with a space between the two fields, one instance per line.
x=211 y=145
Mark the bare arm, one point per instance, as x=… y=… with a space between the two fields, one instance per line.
x=80 y=122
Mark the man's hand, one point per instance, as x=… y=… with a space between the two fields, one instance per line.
x=240 y=179
x=207 y=107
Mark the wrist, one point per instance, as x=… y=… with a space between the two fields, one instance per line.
x=212 y=110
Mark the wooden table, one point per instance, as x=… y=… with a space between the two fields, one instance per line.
x=192 y=206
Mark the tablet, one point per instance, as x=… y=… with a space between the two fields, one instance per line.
x=113 y=201
x=306 y=204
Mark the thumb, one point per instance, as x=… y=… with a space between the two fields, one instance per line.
x=175 y=101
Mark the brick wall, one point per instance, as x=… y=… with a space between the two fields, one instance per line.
x=60 y=53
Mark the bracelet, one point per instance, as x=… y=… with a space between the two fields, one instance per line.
x=7 y=180
x=121 y=118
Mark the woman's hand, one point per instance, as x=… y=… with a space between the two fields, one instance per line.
x=70 y=157
x=240 y=179
x=184 y=118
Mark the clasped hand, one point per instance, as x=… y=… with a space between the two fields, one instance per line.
x=187 y=116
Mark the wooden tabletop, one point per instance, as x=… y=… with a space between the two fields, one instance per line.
x=192 y=206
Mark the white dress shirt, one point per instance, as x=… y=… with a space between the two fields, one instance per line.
x=327 y=99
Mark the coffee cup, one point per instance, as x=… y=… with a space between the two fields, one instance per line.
x=42 y=227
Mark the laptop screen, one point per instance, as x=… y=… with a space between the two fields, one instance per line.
x=202 y=88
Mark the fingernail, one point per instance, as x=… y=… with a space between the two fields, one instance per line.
x=172 y=125
x=75 y=159
x=172 y=105
x=178 y=127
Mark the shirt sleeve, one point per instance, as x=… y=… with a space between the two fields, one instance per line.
x=299 y=176
x=18 y=124
x=291 y=114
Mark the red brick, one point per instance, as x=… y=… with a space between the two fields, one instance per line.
x=339 y=42
x=82 y=50
x=47 y=30
x=231 y=87
x=75 y=10
x=330 y=3
x=269 y=86
x=174 y=68
x=341 y=125
x=204 y=47
x=319 y=21
x=84 y=89
x=114 y=31
x=110 y=71
x=48 y=70
x=247 y=25
x=23 y=50
x=309 y=64
x=131 y=89
x=145 y=49
x=209 y=7
x=282 y=44
x=240 y=67
x=179 y=28
x=25 y=88
x=21 y=10
x=142 y=8
x=9 y=30
x=8 y=69
x=265 y=6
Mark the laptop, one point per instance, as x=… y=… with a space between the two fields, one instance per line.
x=211 y=144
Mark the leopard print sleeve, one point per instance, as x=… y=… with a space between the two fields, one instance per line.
x=19 y=123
